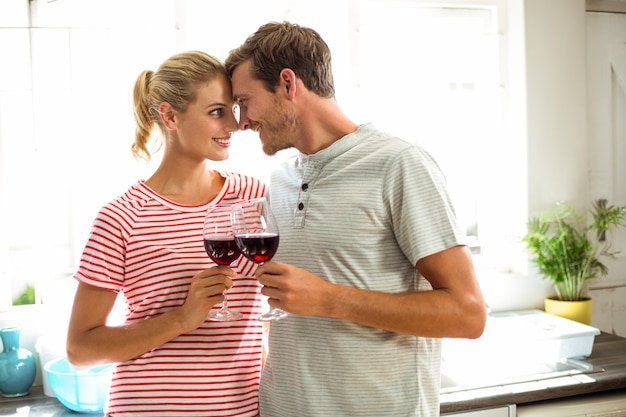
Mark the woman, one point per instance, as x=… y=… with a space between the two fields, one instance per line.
x=147 y=244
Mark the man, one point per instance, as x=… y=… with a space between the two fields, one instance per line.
x=371 y=263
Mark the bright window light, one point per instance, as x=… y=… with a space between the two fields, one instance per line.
x=430 y=72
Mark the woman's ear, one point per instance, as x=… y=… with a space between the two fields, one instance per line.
x=288 y=82
x=168 y=115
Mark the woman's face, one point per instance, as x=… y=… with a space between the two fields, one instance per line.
x=204 y=130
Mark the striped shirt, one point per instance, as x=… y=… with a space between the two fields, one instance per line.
x=149 y=248
x=359 y=213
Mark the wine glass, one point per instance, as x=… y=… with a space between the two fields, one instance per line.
x=219 y=242
x=256 y=234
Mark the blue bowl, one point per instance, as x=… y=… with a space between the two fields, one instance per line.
x=81 y=390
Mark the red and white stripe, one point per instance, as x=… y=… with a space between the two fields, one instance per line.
x=149 y=248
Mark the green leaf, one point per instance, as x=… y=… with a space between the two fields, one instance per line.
x=567 y=250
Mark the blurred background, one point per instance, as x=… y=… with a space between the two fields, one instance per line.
x=434 y=73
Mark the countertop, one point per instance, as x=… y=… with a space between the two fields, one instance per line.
x=608 y=359
x=37 y=404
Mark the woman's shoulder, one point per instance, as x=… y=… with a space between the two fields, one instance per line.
x=235 y=174
x=241 y=186
x=133 y=199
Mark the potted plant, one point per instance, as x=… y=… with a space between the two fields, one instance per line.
x=568 y=249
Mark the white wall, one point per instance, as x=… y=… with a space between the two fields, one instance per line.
x=557 y=134
x=556 y=103
x=548 y=96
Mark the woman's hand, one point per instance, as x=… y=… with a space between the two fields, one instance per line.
x=206 y=290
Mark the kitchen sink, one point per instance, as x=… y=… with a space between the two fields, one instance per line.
x=483 y=380
x=518 y=352
x=475 y=375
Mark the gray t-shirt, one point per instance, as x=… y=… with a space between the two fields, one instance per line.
x=360 y=213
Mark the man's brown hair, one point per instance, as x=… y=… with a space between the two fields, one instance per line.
x=275 y=46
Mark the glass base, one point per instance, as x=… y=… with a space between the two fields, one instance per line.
x=273 y=314
x=224 y=315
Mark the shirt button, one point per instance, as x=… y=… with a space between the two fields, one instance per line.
x=305 y=187
x=300 y=206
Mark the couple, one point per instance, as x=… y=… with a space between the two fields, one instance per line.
x=371 y=263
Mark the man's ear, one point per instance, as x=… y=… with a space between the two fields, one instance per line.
x=288 y=82
x=168 y=116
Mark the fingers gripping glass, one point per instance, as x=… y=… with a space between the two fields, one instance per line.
x=256 y=234
x=219 y=242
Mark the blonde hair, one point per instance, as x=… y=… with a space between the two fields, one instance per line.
x=176 y=82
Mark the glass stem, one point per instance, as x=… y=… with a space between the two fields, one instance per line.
x=224 y=304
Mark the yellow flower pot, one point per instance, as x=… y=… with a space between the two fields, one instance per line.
x=579 y=311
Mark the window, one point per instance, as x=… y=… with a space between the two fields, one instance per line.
x=437 y=76
x=432 y=72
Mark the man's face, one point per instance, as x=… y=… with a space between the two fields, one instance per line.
x=269 y=114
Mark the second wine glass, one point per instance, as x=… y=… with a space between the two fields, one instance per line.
x=256 y=234
x=219 y=242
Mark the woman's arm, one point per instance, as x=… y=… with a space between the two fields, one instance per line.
x=90 y=341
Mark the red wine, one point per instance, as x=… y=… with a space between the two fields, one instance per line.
x=258 y=248
x=223 y=252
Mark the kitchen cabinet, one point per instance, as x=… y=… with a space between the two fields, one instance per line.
x=606 y=115
x=609 y=404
